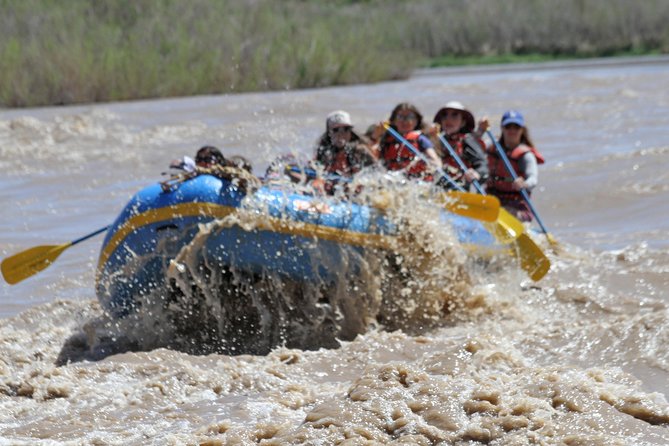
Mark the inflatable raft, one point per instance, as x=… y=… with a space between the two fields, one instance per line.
x=205 y=239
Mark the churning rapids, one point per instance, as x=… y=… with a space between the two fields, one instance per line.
x=580 y=357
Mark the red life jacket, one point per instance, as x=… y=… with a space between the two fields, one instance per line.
x=457 y=142
x=340 y=164
x=396 y=156
x=500 y=181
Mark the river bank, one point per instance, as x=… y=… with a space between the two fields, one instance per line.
x=52 y=53
x=573 y=64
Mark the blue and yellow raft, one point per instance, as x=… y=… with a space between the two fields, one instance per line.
x=300 y=237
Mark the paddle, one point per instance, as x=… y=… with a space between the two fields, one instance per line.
x=26 y=263
x=532 y=259
x=507 y=228
x=423 y=158
x=459 y=162
x=524 y=193
x=459 y=202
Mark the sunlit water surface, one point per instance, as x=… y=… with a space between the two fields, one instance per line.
x=581 y=357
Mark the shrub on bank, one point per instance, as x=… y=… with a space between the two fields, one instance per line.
x=62 y=52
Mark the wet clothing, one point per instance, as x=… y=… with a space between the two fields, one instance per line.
x=524 y=161
x=471 y=151
x=396 y=156
x=344 y=161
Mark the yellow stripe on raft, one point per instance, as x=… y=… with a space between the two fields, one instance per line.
x=161 y=214
x=266 y=224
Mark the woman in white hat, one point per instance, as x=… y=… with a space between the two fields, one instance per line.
x=457 y=124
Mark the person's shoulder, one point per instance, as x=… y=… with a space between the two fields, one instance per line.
x=425 y=141
x=473 y=140
x=534 y=152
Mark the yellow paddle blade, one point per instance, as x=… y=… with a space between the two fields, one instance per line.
x=506 y=229
x=532 y=258
x=31 y=261
x=511 y=224
x=479 y=207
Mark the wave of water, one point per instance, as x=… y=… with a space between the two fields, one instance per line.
x=580 y=357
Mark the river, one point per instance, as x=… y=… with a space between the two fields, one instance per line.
x=580 y=357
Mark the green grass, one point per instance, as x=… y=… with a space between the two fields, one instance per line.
x=78 y=51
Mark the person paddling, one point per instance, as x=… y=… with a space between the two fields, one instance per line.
x=524 y=157
x=408 y=122
x=457 y=124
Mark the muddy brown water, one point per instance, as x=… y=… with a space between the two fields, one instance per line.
x=581 y=357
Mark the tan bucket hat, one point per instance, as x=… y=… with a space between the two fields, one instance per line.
x=470 y=123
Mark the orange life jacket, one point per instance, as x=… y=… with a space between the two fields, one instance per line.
x=396 y=156
x=500 y=181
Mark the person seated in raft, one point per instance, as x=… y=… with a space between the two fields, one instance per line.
x=456 y=125
x=373 y=135
x=395 y=155
x=209 y=160
x=524 y=158
x=240 y=162
x=340 y=151
x=208 y=157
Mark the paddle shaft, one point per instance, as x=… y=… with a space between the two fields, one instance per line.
x=533 y=260
x=513 y=174
x=423 y=158
x=459 y=161
x=86 y=237
x=465 y=207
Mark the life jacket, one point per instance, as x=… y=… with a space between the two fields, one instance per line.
x=458 y=142
x=338 y=160
x=396 y=156
x=461 y=143
x=500 y=181
x=340 y=163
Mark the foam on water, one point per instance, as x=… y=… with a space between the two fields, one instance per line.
x=581 y=357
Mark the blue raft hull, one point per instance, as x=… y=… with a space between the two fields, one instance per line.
x=301 y=238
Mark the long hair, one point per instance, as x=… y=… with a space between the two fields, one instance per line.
x=410 y=107
x=524 y=138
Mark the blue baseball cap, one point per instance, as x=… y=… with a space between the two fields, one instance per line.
x=513 y=117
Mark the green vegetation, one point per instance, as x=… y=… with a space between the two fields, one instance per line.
x=74 y=51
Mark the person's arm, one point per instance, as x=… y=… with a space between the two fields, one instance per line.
x=186 y=163
x=428 y=149
x=474 y=154
x=529 y=169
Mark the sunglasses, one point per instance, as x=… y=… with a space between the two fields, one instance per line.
x=340 y=130
x=407 y=117
x=512 y=126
